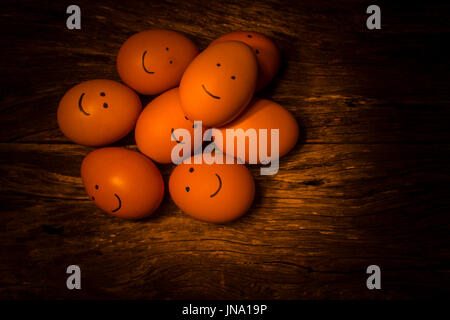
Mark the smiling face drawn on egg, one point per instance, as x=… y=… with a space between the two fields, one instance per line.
x=115 y=195
x=122 y=182
x=267 y=53
x=219 y=83
x=191 y=169
x=212 y=192
x=98 y=112
x=80 y=103
x=143 y=62
x=153 y=61
x=209 y=93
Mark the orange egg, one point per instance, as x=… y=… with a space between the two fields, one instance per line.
x=212 y=192
x=267 y=53
x=98 y=112
x=153 y=61
x=219 y=83
x=156 y=124
x=262 y=114
x=122 y=182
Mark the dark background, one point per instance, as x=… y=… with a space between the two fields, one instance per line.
x=368 y=182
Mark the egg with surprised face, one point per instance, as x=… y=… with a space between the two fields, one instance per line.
x=122 y=182
x=155 y=127
x=219 y=83
x=267 y=53
x=153 y=61
x=98 y=112
x=215 y=193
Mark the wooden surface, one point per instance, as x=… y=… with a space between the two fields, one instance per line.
x=368 y=182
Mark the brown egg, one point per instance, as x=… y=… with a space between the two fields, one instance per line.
x=153 y=61
x=155 y=127
x=216 y=193
x=219 y=83
x=122 y=182
x=98 y=112
x=267 y=53
x=262 y=114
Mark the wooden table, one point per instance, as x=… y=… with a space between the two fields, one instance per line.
x=368 y=182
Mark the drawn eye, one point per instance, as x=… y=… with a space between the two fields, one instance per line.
x=105 y=105
x=102 y=94
x=167 y=49
x=187 y=189
x=96 y=187
x=186 y=118
x=233 y=77
x=191 y=169
x=257 y=51
x=249 y=36
x=218 y=64
x=170 y=61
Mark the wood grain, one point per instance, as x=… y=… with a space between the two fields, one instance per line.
x=367 y=183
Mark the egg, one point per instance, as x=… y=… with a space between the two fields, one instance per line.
x=156 y=124
x=153 y=61
x=262 y=114
x=267 y=53
x=122 y=182
x=215 y=193
x=219 y=83
x=98 y=112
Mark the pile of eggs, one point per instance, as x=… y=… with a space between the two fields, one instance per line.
x=215 y=86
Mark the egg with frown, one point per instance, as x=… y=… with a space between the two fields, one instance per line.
x=98 y=112
x=214 y=192
x=122 y=182
x=219 y=83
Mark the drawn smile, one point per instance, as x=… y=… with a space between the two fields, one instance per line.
x=120 y=203
x=143 y=64
x=174 y=138
x=220 y=186
x=215 y=97
x=81 y=107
